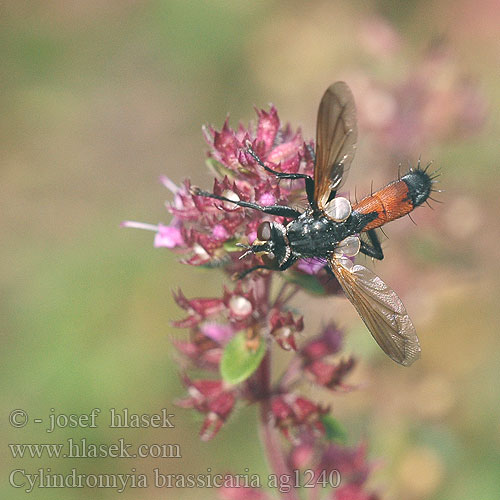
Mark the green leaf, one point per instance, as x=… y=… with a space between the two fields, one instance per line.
x=241 y=358
x=230 y=245
x=218 y=168
x=306 y=281
x=334 y=429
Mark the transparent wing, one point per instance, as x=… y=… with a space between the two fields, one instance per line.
x=381 y=310
x=336 y=136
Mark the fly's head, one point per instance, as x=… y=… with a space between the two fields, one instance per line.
x=271 y=245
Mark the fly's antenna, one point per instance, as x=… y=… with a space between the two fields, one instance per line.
x=248 y=252
x=248 y=249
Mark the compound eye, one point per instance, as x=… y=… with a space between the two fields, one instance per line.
x=270 y=260
x=264 y=231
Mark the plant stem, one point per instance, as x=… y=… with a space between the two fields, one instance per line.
x=291 y=295
x=268 y=433
x=277 y=301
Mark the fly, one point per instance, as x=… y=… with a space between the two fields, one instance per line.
x=333 y=229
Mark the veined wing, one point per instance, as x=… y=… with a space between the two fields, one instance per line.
x=381 y=310
x=336 y=136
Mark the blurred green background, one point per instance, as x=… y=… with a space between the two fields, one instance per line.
x=101 y=98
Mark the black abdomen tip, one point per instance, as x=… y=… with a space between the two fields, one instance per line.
x=419 y=185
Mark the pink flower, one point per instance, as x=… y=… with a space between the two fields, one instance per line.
x=330 y=375
x=302 y=455
x=317 y=363
x=350 y=462
x=293 y=414
x=311 y=266
x=202 y=228
x=432 y=103
x=201 y=350
x=242 y=493
x=353 y=492
x=378 y=37
x=212 y=399
x=218 y=332
x=284 y=327
x=168 y=236
x=327 y=343
x=267 y=128
x=249 y=316
x=198 y=309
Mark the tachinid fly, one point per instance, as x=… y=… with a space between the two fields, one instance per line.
x=333 y=229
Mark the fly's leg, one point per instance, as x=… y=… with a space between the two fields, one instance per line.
x=284 y=267
x=372 y=247
x=278 y=210
x=283 y=175
x=240 y=276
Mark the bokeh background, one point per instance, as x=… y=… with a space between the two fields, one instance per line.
x=101 y=98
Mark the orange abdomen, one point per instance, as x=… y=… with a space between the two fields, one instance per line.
x=391 y=202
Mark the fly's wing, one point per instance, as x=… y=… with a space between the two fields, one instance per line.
x=381 y=310
x=336 y=135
